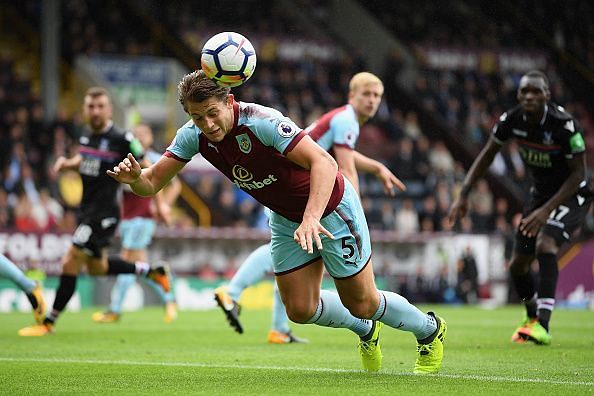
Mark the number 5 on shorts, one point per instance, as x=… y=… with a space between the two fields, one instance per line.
x=350 y=251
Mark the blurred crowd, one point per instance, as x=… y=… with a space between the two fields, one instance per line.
x=303 y=87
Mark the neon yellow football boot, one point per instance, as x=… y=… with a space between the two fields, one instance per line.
x=430 y=355
x=370 y=350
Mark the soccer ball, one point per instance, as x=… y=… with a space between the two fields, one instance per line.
x=228 y=58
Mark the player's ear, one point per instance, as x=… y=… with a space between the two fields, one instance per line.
x=230 y=99
x=351 y=95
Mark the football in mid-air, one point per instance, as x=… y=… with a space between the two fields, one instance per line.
x=228 y=58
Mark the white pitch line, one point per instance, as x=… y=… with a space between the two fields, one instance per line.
x=290 y=368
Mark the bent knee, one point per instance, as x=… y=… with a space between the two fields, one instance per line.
x=97 y=267
x=362 y=306
x=300 y=313
x=362 y=310
x=97 y=271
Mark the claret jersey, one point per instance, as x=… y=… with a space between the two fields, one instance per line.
x=338 y=127
x=253 y=156
x=544 y=147
x=135 y=205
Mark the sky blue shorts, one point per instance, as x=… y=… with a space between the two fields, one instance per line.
x=344 y=256
x=137 y=233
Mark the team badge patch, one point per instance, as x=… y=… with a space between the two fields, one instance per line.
x=245 y=144
x=286 y=129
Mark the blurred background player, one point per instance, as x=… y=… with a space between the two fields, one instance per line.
x=99 y=213
x=31 y=288
x=337 y=131
x=553 y=148
x=316 y=220
x=136 y=231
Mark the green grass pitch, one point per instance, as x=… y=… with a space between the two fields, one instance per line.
x=200 y=354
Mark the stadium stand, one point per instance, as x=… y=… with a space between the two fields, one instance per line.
x=304 y=72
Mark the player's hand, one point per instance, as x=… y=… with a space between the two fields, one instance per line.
x=59 y=164
x=127 y=171
x=389 y=180
x=530 y=225
x=309 y=231
x=457 y=211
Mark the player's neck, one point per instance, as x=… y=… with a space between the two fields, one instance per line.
x=105 y=128
x=362 y=120
x=536 y=117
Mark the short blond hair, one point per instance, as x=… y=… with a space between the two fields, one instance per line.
x=364 y=78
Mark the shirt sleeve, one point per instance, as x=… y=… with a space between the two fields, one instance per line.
x=275 y=130
x=574 y=141
x=501 y=130
x=185 y=143
x=345 y=132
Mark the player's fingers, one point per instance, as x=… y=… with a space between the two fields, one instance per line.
x=318 y=241
x=301 y=240
x=389 y=187
x=398 y=183
x=324 y=231
x=453 y=217
x=309 y=243
x=525 y=228
x=135 y=164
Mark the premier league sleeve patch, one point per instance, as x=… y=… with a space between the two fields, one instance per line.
x=287 y=129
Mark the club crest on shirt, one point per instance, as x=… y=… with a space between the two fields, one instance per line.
x=285 y=129
x=548 y=138
x=104 y=145
x=244 y=142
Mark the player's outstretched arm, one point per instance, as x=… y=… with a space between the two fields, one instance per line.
x=388 y=179
x=323 y=168
x=477 y=170
x=346 y=164
x=147 y=181
x=63 y=163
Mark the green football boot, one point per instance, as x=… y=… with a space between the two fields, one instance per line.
x=536 y=333
x=519 y=337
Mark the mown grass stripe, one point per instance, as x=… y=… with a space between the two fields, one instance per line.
x=290 y=368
